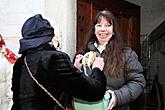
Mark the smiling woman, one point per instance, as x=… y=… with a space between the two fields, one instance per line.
x=125 y=81
x=103 y=30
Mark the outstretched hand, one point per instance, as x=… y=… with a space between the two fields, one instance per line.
x=77 y=62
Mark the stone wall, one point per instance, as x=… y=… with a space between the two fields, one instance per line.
x=15 y=12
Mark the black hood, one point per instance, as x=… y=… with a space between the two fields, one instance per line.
x=36 y=31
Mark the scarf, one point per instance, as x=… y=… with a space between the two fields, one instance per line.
x=9 y=55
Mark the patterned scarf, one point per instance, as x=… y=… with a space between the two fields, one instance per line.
x=9 y=55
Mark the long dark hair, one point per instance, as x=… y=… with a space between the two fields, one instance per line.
x=113 y=52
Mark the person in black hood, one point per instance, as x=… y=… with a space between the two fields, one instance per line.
x=45 y=78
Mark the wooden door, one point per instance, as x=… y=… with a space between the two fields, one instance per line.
x=83 y=21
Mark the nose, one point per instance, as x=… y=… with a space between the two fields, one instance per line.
x=103 y=28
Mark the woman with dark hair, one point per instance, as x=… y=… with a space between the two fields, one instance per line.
x=124 y=73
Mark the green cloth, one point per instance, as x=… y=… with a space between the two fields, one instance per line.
x=98 y=105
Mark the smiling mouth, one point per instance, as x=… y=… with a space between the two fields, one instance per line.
x=103 y=34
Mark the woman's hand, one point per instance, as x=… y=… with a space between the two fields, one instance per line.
x=56 y=41
x=113 y=100
x=77 y=62
x=98 y=63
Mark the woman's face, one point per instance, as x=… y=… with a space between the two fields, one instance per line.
x=103 y=31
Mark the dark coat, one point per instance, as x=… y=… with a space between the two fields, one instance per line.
x=54 y=70
x=130 y=82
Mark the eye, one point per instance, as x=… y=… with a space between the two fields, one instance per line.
x=108 y=25
x=98 y=25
